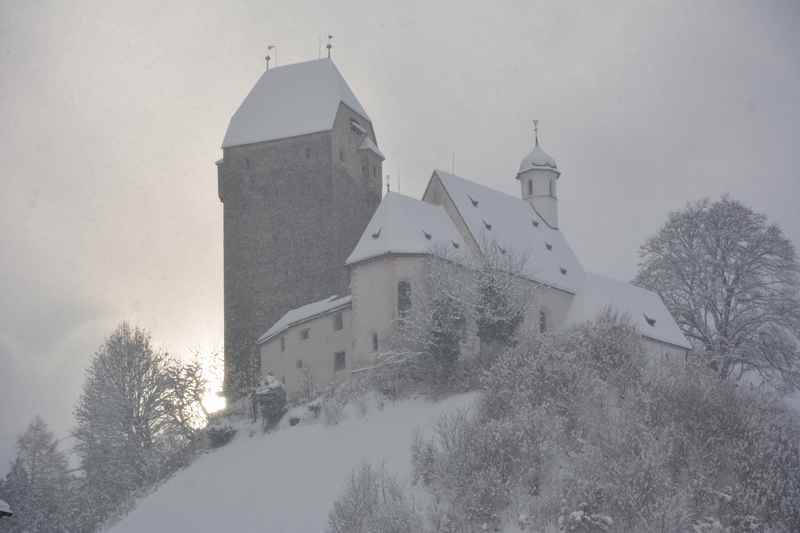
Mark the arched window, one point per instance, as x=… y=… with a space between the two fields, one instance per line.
x=542 y=321
x=530 y=187
x=403 y=298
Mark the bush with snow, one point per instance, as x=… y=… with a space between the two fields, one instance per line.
x=373 y=502
x=270 y=399
x=575 y=430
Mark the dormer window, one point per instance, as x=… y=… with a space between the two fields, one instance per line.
x=650 y=321
x=427 y=235
x=487 y=225
x=377 y=233
x=473 y=200
x=548 y=246
x=535 y=223
x=356 y=127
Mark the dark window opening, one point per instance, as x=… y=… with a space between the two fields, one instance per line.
x=542 y=321
x=530 y=187
x=374 y=342
x=305 y=333
x=341 y=155
x=650 y=321
x=339 y=361
x=308 y=153
x=283 y=344
x=299 y=363
x=338 y=322
x=403 y=298
x=548 y=246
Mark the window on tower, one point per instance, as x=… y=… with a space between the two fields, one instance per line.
x=552 y=188
x=530 y=187
x=403 y=298
x=338 y=323
x=341 y=154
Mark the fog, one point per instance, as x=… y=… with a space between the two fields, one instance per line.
x=113 y=115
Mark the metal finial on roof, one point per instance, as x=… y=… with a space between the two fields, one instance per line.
x=329 y=45
x=273 y=47
x=536 y=131
x=388 y=180
x=267 y=58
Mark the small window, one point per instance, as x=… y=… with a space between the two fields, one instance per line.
x=403 y=298
x=374 y=342
x=299 y=363
x=374 y=172
x=305 y=334
x=365 y=170
x=338 y=323
x=341 y=154
x=542 y=321
x=339 y=361
x=283 y=344
x=552 y=188
x=530 y=187
x=308 y=153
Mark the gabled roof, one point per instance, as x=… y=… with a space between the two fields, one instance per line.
x=367 y=144
x=291 y=100
x=304 y=313
x=493 y=216
x=404 y=225
x=643 y=307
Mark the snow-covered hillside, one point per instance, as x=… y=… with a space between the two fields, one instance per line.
x=285 y=481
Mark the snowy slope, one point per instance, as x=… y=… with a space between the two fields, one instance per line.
x=285 y=481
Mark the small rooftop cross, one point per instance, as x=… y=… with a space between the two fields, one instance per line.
x=329 y=45
x=536 y=131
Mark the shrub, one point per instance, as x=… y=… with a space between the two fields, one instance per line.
x=373 y=502
x=219 y=436
x=270 y=397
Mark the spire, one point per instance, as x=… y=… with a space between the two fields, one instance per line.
x=329 y=46
x=536 y=131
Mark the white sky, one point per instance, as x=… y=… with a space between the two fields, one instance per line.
x=113 y=114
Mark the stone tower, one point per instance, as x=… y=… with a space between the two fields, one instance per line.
x=538 y=176
x=299 y=180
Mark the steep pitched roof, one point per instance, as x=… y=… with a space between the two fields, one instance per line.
x=404 y=225
x=643 y=307
x=304 y=313
x=291 y=100
x=493 y=216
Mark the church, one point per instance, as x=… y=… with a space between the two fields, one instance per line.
x=319 y=267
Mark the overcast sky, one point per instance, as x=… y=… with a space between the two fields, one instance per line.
x=113 y=114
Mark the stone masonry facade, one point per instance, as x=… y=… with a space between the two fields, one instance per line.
x=293 y=210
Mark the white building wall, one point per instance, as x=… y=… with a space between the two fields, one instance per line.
x=373 y=285
x=316 y=352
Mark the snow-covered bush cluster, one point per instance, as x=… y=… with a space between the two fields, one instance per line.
x=373 y=502
x=578 y=432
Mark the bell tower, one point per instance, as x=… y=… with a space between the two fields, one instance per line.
x=538 y=177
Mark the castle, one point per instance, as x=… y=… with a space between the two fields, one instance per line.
x=319 y=268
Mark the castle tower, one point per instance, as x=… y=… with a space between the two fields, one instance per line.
x=538 y=175
x=299 y=180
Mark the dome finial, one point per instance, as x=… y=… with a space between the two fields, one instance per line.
x=536 y=131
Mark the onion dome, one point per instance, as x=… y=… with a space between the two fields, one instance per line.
x=538 y=159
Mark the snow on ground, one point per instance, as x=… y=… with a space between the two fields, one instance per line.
x=285 y=481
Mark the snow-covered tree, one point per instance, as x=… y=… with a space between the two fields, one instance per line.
x=731 y=279
x=135 y=417
x=38 y=484
x=473 y=303
x=373 y=502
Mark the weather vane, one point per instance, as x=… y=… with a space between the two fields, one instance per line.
x=329 y=46
x=536 y=131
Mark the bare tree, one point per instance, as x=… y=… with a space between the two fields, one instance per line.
x=730 y=278
x=460 y=302
x=38 y=484
x=136 y=416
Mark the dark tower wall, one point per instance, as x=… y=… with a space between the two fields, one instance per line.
x=293 y=209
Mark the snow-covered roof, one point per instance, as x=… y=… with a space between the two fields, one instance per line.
x=404 y=225
x=643 y=307
x=5 y=509
x=305 y=313
x=367 y=144
x=291 y=100
x=538 y=158
x=493 y=216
